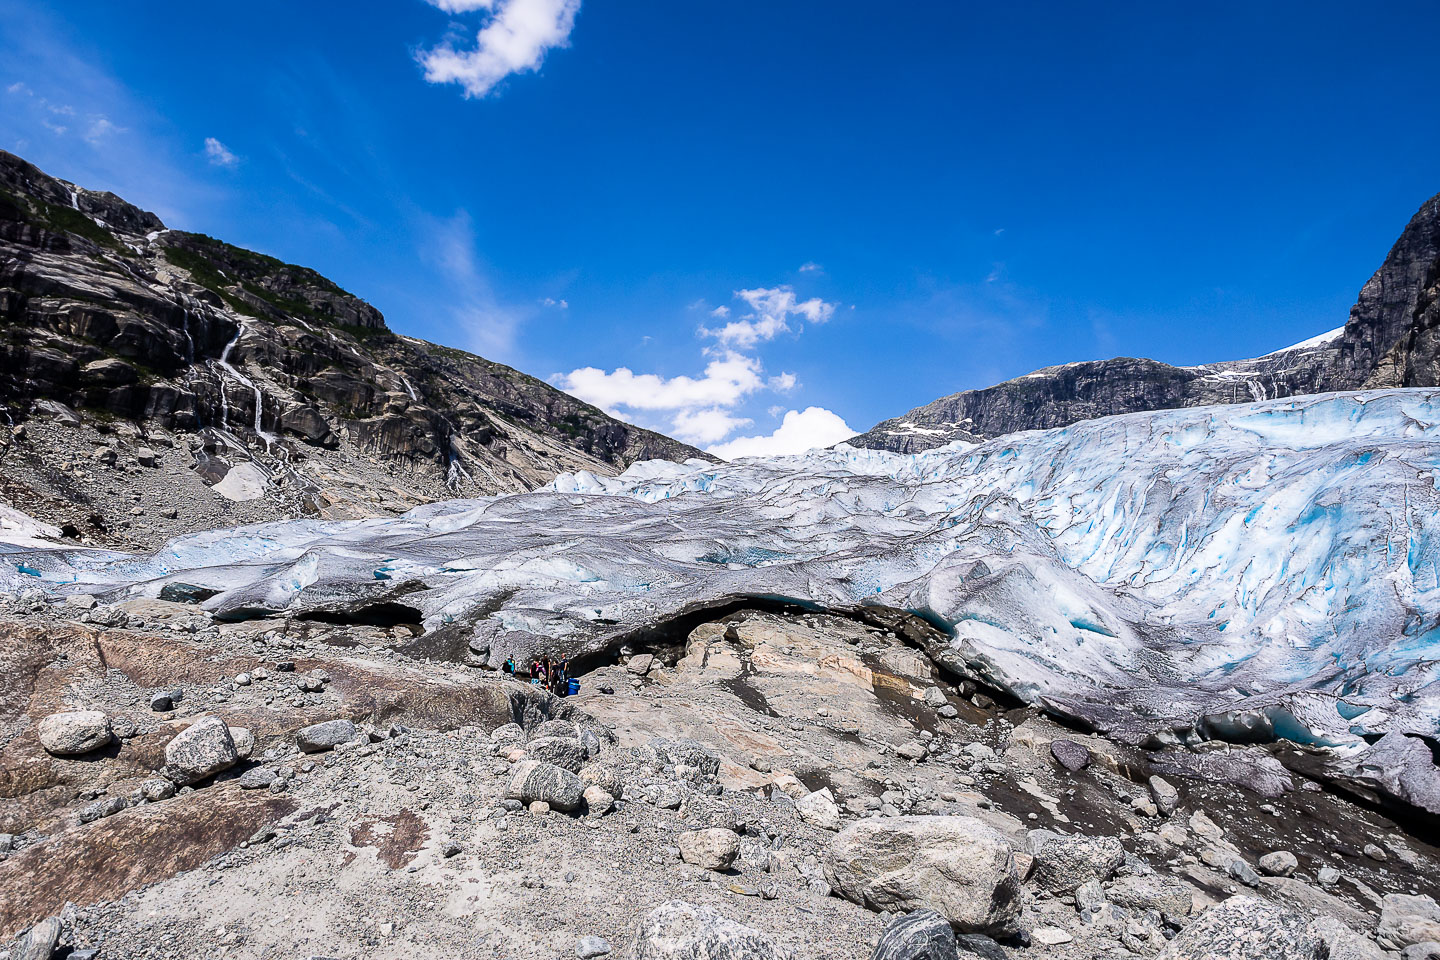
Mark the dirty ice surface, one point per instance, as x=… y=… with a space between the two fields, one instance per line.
x=1272 y=563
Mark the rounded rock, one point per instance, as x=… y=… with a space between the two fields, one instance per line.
x=73 y=733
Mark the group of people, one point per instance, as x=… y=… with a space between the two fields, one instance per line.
x=553 y=675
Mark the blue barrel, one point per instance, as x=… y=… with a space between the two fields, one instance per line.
x=574 y=687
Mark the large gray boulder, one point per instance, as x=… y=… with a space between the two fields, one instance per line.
x=922 y=935
x=567 y=752
x=1063 y=863
x=1165 y=895
x=536 y=780
x=73 y=733
x=328 y=735
x=959 y=867
x=714 y=848
x=677 y=930
x=1407 y=919
x=1343 y=943
x=39 y=941
x=200 y=751
x=1246 y=928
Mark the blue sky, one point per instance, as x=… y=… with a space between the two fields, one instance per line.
x=750 y=225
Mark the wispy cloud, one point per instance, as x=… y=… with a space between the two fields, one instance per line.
x=487 y=326
x=810 y=266
x=771 y=311
x=220 y=155
x=558 y=304
x=514 y=39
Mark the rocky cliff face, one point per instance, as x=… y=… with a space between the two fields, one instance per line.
x=214 y=360
x=1391 y=339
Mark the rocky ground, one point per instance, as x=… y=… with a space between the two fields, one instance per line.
x=769 y=784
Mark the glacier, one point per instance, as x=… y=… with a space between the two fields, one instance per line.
x=1265 y=570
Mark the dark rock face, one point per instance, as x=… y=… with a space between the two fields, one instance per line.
x=106 y=311
x=1392 y=338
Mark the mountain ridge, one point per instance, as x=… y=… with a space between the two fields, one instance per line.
x=146 y=337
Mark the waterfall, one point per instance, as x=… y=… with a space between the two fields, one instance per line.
x=267 y=438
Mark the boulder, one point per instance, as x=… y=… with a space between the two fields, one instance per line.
x=1063 y=863
x=1165 y=895
x=677 y=930
x=1407 y=919
x=959 y=867
x=922 y=935
x=536 y=780
x=1166 y=797
x=819 y=809
x=1280 y=863
x=640 y=664
x=589 y=947
x=551 y=728
x=244 y=742
x=1246 y=928
x=74 y=733
x=39 y=942
x=325 y=736
x=598 y=802
x=1343 y=943
x=566 y=752
x=1070 y=755
x=200 y=751
x=713 y=849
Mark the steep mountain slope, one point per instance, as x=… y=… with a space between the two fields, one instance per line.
x=1391 y=339
x=288 y=392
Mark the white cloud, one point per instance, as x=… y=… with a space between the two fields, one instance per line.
x=19 y=87
x=219 y=154
x=706 y=409
x=772 y=308
x=709 y=425
x=727 y=380
x=515 y=39
x=100 y=129
x=810 y=266
x=801 y=430
x=552 y=302
x=782 y=383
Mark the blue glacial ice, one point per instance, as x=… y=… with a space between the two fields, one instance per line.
x=1249 y=564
